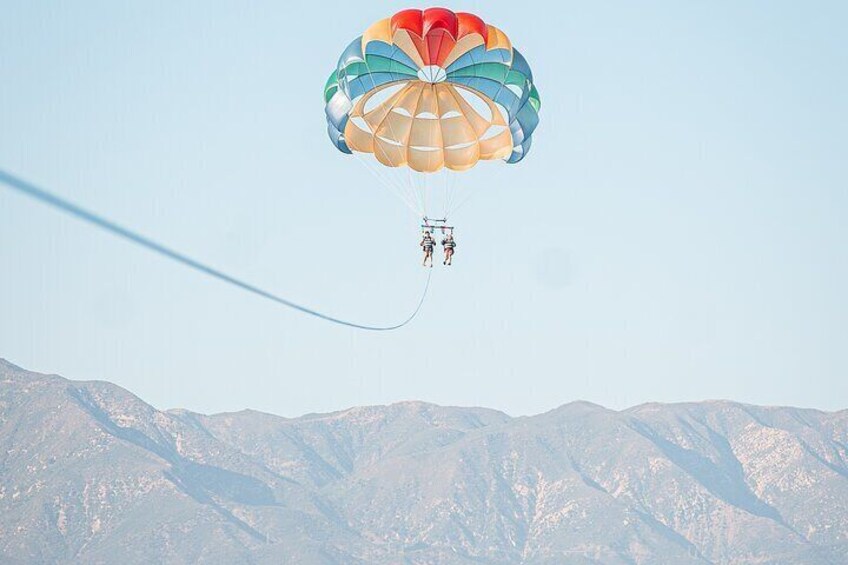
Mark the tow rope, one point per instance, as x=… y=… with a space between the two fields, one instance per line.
x=69 y=208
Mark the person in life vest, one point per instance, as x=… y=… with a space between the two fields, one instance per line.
x=428 y=243
x=449 y=245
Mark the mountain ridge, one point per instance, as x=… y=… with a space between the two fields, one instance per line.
x=708 y=401
x=91 y=472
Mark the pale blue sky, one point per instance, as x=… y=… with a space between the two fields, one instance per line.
x=677 y=233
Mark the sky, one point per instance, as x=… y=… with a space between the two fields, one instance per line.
x=677 y=233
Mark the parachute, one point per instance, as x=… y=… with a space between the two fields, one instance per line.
x=431 y=91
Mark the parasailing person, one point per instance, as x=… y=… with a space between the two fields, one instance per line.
x=448 y=244
x=428 y=244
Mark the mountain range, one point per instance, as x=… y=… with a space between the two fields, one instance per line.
x=90 y=473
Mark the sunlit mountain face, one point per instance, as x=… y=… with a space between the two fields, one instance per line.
x=90 y=473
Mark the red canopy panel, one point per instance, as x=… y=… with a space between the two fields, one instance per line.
x=435 y=31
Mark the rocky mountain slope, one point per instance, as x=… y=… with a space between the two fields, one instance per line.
x=90 y=473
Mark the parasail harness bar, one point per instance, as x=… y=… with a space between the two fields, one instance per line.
x=440 y=224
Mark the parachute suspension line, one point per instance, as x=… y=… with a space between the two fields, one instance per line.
x=444 y=196
x=422 y=192
x=404 y=179
x=410 y=184
x=453 y=194
x=387 y=183
x=445 y=180
x=451 y=187
x=417 y=187
x=450 y=191
x=427 y=184
x=71 y=209
x=465 y=200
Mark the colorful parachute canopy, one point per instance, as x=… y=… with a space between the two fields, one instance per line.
x=432 y=89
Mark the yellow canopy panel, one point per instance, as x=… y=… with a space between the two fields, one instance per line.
x=428 y=126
